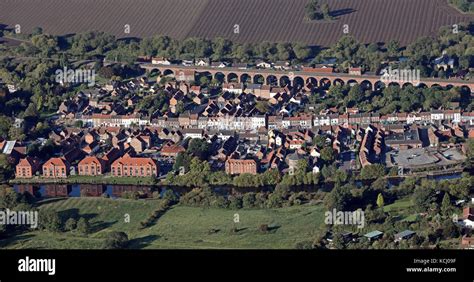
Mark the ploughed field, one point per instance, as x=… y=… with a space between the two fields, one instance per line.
x=257 y=20
x=180 y=227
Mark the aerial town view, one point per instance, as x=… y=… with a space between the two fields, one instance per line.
x=237 y=124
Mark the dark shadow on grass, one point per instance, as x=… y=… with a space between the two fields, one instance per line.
x=4 y=242
x=241 y=229
x=140 y=243
x=341 y=12
x=98 y=226
x=69 y=213
x=273 y=228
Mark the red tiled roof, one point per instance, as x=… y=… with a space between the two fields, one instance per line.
x=55 y=162
x=91 y=159
x=127 y=160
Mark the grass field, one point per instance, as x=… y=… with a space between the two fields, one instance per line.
x=180 y=227
x=402 y=208
x=398 y=205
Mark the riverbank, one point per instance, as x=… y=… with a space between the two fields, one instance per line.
x=81 y=179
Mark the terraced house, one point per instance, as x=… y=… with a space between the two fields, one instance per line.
x=27 y=167
x=234 y=166
x=91 y=166
x=56 y=168
x=134 y=166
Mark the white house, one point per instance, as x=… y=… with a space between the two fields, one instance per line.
x=444 y=62
x=468 y=217
x=437 y=115
x=187 y=63
x=258 y=121
x=192 y=133
x=202 y=62
x=263 y=65
x=160 y=61
x=11 y=88
x=237 y=88
x=281 y=65
x=315 y=169
x=219 y=65
x=315 y=153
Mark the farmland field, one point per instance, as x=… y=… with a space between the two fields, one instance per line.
x=180 y=227
x=257 y=20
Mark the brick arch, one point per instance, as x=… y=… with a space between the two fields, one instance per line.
x=324 y=83
x=284 y=80
x=245 y=77
x=366 y=85
x=220 y=76
x=257 y=78
x=232 y=77
x=271 y=79
x=338 y=81
x=298 y=80
x=379 y=85
x=168 y=71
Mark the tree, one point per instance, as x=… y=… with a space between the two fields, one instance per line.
x=372 y=171
x=450 y=230
x=446 y=207
x=327 y=154
x=338 y=242
x=83 y=226
x=5 y=125
x=338 y=198
x=116 y=240
x=37 y=31
x=179 y=107
x=392 y=48
x=199 y=148
x=313 y=10
x=262 y=106
x=355 y=95
x=50 y=221
x=326 y=12
x=204 y=80
x=6 y=169
x=423 y=197
x=380 y=200
x=469 y=143
x=248 y=200
x=31 y=111
x=319 y=141
x=70 y=224
x=302 y=51
x=9 y=199
x=170 y=196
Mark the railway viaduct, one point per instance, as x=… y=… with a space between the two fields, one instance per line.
x=294 y=77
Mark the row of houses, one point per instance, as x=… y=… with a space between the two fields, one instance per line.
x=59 y=167
x=254 y=122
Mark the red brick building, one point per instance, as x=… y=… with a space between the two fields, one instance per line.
x=133 y=166
x=27 y=167
x=172 y=150
x=56 y=168
x=91 y=166
x=233 y=166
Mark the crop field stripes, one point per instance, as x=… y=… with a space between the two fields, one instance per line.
x=370 y=21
